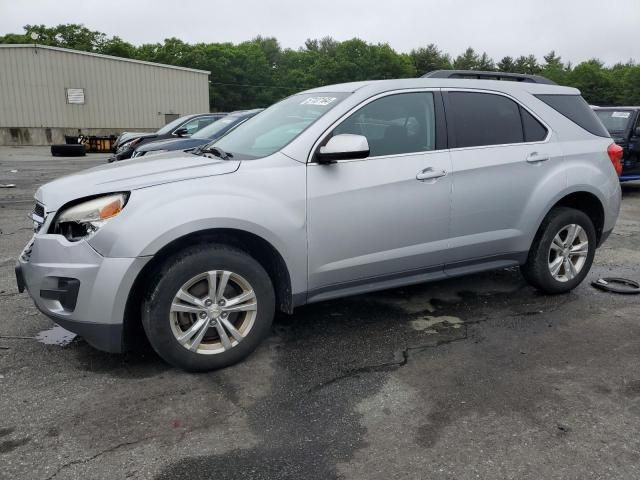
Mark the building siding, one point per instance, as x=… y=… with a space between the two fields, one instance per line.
x=119 y=94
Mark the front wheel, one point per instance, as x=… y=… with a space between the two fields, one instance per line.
x=562 y=252
x=210 y=307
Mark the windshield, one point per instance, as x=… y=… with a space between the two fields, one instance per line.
x=614 y=120
x=211 y=131
x=271 y=130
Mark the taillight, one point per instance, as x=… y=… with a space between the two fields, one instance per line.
x=615 y=153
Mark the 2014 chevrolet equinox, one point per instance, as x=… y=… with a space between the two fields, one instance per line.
x=335 y=191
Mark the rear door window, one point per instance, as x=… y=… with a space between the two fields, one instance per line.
x=576 y=109
x=484 y=119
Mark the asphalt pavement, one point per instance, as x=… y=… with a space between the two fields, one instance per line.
x=473 y=378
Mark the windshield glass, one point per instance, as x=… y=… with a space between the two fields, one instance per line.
x=614 y=120
x=210 y=131
x=271 y=130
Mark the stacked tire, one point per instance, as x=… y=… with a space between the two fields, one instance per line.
x=68 y=150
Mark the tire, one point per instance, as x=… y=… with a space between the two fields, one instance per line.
x=65 y=150
x=541 y=259
x=164 y=317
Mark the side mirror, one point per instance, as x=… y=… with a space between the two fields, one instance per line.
x=343 y=147
x=181 y=132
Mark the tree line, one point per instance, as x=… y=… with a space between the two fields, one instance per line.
x=258 y=72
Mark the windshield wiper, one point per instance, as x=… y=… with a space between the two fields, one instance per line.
x=197 y=150
x=218 y=152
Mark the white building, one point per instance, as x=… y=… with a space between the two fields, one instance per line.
x=47 y=92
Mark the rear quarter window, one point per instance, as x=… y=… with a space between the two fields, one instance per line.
x=534 y=131
x=576 y=109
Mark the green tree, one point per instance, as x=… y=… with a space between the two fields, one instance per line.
x=527 y=64
x=117 y=47
x=553 y=68
x=71 y=35
x=593 y=82
x=507 y=65
x=429 y=59
x=467 y=61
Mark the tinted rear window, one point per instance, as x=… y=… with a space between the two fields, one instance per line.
x=577 y=110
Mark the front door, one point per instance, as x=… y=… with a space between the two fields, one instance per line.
x=384 y=217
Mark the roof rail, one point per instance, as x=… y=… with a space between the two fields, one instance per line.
x=481 y=75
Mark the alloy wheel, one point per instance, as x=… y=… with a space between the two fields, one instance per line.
x=568 y=252
x=213 y=312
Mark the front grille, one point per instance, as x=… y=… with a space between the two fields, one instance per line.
x=38 y=209
x=38 y=216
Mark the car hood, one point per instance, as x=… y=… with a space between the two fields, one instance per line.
x=133 y=174
x=131 y=135
x=172 y=144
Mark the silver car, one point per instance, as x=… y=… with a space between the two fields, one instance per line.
x=335 y=191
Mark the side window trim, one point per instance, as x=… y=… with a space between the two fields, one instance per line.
x=187 y=122
x=451 y=127
x=440 y=126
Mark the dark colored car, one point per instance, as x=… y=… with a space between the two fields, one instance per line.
x=184 y=126
x=623 y=124
x=201 y=137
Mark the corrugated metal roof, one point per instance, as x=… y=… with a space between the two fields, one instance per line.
x=110 y=57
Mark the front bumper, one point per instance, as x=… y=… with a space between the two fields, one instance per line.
x=78 y=288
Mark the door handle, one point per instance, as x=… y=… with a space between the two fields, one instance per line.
x=430 y=174
x=536 y=157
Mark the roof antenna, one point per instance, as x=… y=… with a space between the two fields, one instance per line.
x=34 y=36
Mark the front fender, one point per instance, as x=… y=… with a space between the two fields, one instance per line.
x=265 y=198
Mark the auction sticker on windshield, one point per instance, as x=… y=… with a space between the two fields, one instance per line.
x=322 y=101
x=620 y=114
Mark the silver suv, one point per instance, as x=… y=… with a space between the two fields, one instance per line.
x=335 y=191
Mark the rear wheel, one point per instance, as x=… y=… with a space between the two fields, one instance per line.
x=562 y=252
x=210 y=308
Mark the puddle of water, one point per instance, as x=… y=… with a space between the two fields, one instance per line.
x=56 y=335
x=426 y=324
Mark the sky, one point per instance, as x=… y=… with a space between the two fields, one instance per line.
x=576 y=29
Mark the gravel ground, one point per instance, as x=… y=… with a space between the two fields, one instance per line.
x=479 y=377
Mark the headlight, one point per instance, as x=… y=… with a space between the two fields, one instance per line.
x=128 y=145
x=84 y=219
x=123 y=147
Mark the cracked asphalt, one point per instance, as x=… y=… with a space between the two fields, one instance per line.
x=477 y=377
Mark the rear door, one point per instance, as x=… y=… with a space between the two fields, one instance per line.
x=501 y=153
